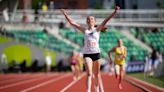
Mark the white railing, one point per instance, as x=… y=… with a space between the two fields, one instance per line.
x=127 y=16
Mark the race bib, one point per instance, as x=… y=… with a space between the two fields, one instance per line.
x=91 y=43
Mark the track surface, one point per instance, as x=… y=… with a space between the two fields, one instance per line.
x=61 y=82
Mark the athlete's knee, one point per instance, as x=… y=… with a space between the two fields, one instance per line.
x=89 y=74
x=96 y=75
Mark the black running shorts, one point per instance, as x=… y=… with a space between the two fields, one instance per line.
x=94 y=56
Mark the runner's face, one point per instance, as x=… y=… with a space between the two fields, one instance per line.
x=91 y=21
x=120 y=42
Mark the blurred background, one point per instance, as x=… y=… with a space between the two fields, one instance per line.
x=34 y=34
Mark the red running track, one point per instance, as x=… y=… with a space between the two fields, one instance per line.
x=59 y=82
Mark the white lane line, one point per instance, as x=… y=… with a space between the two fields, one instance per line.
x=18 y=79
x=69 y=85
x=23 y=82
x=45 y=83
x=101 y=84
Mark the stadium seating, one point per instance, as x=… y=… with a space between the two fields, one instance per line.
x=41 y=39
x=153 y=39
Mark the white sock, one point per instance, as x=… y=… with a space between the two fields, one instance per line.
x=88 y=90
x=96 y=88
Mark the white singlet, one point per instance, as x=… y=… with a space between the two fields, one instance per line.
x=91 y=41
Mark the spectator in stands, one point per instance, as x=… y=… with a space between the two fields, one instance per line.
x=6 y=14
x=14 y=67
x=119 y=60
x=34 y=66
x=36 y=15
x=147 y=30
x=51 y=5
x=4 y=58
x=61 y=25
x=44 y=7
x=39 y=5
x=59 y=65
x=45 y=30
x=154 y=30
x=137 y=32
x=91 y=50
x=160 y=55
x=25 y=17
x=153 y=61
x=147 y=65
x=23 y=66
x=4 y=62
x=1 y=30
x=36 y=12
x=133 y=57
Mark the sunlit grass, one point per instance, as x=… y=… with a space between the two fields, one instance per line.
x=158 y=81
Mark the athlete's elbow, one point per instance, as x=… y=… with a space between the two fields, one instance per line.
x=109 y=53
x=72 y=23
